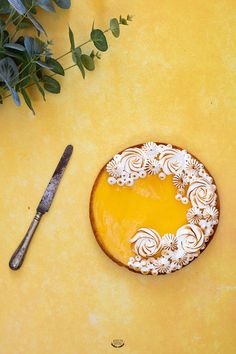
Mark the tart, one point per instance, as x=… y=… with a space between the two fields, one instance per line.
x=154 y=208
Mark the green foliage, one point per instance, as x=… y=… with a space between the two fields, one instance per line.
x=27 y=60
x=55 y=66
x=8 y=71
x=87 y=62
x=72 y=39
x=51 y=85
x=27 y=99
x=64 y=4
x=115 y=27
x=124 y=21
x=36 y=82
x=9 y=74
x=99 y=39
x=76 y=56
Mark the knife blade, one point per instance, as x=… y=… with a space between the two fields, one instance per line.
x=51 y=189
x=45 y=203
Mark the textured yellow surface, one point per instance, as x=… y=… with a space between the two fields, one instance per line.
x=171 y=78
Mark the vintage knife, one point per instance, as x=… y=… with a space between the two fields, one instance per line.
x=44 y=205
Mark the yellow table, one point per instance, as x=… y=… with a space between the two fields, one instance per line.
x=170 y=78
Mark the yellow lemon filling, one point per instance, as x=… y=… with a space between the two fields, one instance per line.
x=118 y=212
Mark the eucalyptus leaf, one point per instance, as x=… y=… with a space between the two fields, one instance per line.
x=87 y=62
x=27 y=100
x=38 y=46
x=77 y=51
x=39 y=73
x=5 y=36
x=36 y=24
x=29 y=45
x=76 y=56
x=15 y=46
x=63 y=4
x=41 y=90
x=99 y=40
x=124 y=21
x=18 y=6
x=33 y=10
x=15 y=55
x=115 y=27
x=24 y=24
x=8 y=71
x=51 y=85
x=4 y=7
x=92 y=54
x=33 y=46
x=43 y=65
x=46 y=5
x=72 y=40
x=56 y=67
x=15 y=96
x=2 y=23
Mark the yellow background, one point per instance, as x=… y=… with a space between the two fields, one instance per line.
x=170 y=78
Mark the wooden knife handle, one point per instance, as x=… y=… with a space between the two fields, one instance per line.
x=19 y=254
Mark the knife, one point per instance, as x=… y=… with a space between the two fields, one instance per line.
x=43 y=207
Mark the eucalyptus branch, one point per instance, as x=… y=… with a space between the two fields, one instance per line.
x=29 y=61
x=39 y=69
x=58 y=58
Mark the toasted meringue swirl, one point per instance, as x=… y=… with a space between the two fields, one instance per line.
x=133 y=160
x=147 y=242
x=172 y=161
x=190 y=238
x=201 y=193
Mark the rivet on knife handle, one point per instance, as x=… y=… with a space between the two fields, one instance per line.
x=19 y=255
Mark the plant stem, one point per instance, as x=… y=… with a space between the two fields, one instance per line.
x=21 y=19
x=63 y=55
x=9 y=17
x=70 y=51
x=28 y=64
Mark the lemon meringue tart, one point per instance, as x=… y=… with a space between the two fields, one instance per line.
x=154 y=208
